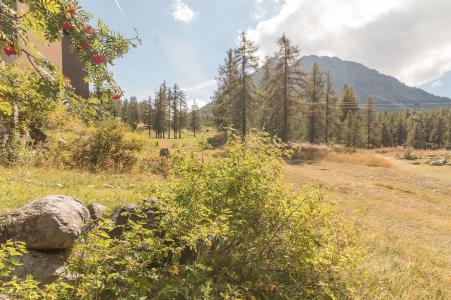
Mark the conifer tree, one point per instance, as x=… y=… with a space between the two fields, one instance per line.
x=330 y=107
x=349 y=102
x=133 y=113
x=438 y=131
x=314 y=93
x=369 y=114
x=147 y=115
x=243 y=108
x=161 y=111
x=227 y=92
x=282 y=85
x=196 y=119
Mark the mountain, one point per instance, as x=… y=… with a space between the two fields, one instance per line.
x=388 y=92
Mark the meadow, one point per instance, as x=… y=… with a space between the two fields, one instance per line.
x=401 y=208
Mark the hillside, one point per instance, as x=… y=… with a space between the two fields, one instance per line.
x=388 y=92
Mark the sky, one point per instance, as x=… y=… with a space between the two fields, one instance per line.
x=185 y=41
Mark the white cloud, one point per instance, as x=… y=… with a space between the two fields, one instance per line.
x=200 y=86
x=404 y=38
x=436 y=84
x=182 y=12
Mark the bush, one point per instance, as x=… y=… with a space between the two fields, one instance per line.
x=226 y=229
x=107 y=148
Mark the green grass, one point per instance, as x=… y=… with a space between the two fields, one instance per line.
x=21 y=185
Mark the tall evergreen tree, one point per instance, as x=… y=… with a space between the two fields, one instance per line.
x=314 y=92
x=147 y=115
x=349 y=102
x=330 y=107
x=196 y=118
x=282 y=85
x=161 y=111
x=369 y=114
x=227 y=92
x=133 y=113
x=246 y=57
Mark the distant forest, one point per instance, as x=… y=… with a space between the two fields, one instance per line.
x=304 y=107
x=289 y=103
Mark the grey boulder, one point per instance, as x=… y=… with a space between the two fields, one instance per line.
x=97 y=211
x=53 y=222
x=45 y=267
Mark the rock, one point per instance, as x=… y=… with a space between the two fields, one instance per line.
x=124 y=214
x=45 y=267
x=164 y=152
x=53 y=222
x=97 y=211
x=108 y=186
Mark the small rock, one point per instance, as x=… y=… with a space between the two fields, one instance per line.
x=97 y=211
x=108 y=186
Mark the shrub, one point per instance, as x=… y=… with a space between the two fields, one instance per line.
x=107 y=148
x=225 y=229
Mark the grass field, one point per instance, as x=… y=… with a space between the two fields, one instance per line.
x=405 y=214
x=404 y=210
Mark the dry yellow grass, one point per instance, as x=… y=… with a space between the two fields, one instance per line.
x=308 y=152
x=360 y=158
x=405 y=216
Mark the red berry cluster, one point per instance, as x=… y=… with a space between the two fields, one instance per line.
x=68 y=26
x=117 y=96
x=9 y=50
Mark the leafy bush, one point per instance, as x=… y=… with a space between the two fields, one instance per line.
x=9 y=285
x=224 y=229
x=108 y=148
x=227 y=229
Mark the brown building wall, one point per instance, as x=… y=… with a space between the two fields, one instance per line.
x=63 y=56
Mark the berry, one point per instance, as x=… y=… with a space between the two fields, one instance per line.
x=85 y=46
x=72 y=9
x=117 y=96
x=68 y=26
x=88 y=29
x=98 y=59
x=9 y=50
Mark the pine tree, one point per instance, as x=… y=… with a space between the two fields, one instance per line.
x=281 y=86
x=227 y=92
x=170 y=98
x=330 y=107
x=147 y=115
x=246 y=57
x=438 y=132
x=161 y=112
x=133 y=113
x=369 y=114
x=314 y=93
x=349 y=102
x=353 y=129
x=196 y=119
x=416 y=136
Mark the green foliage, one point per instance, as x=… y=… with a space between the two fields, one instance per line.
x=52 y=20
x=27 y=289
x=108 y=148
x=225 y=229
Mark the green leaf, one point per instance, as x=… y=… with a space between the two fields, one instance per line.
x=6 y=109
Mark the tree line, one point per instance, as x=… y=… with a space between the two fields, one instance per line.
x=167 y=114
x=304 y=106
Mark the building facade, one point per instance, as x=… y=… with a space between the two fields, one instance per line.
x=64 y=57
